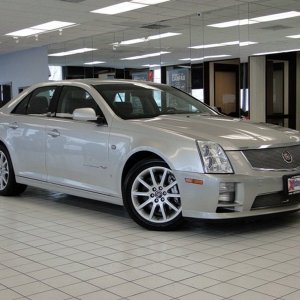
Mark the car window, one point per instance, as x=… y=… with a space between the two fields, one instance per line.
x=135 y=101
x=36 y=103
x=73 y=97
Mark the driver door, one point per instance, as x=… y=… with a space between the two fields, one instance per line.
x=77 y=151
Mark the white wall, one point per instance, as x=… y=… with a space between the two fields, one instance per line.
x=24 y=68
x=257 y=88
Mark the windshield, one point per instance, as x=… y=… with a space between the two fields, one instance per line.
x=140 y=100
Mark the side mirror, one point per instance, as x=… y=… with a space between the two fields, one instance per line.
x=84 y=114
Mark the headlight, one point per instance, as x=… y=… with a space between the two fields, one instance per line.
x=214 y=158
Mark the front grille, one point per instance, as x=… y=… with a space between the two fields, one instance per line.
x=275 y=200
x=272 y=158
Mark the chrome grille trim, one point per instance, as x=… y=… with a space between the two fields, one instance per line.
x=271 y=158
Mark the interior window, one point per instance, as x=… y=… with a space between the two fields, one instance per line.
x=37 y=103
x=73 y=97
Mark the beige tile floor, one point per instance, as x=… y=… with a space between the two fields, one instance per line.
x=54 y=246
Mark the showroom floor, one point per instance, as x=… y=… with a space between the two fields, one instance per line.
x=54 y=246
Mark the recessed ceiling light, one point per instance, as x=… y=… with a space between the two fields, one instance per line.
x=232 y=43
x=130 y=42
x=233 y=23
x=267 y=18
x=53 y=25
x=42 y=28
x=205 y=57
x=96 y=62
x=163 y=35
x=118 y=8
x=145 y=55
x=296 y=36
x=151 y=66
x=25 y=32
x=145 y=39
x=215 y=45
x=149 y=2
x=274 y=17
x=247 y=43
x=72 y=52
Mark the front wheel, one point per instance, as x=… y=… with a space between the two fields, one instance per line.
x=151 y=195
x=8 y=184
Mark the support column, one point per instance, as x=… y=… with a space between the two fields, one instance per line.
x=257 y=88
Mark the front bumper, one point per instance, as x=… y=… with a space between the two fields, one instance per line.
x=257 y=193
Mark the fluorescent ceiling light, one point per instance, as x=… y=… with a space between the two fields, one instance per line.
x=267 y=18
x=145 y=55
x=151 y=66
x=145 y=39
x=118 y=8
x=130 y=42
x=280 y=16
x=296 y=36
x=42 y=28
x=247 y=43
x=25 y=32
x=96 y=62
x=72 y=52
x=163 y=35
x=149 y=2
x=275 y=52
x=53 y=25
x=242 y=44
x=215 y=45
x=205 y=57
x=233 y=23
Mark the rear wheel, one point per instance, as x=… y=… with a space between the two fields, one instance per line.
x=151 y=195
x=8 y=184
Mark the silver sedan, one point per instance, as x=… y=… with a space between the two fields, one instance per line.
x=154 y=149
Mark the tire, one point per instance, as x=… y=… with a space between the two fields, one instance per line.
x=151 y=195
x=8 y=184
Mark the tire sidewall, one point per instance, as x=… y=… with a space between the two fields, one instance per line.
x=11 y=186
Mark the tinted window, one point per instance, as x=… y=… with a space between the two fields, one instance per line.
x=72 y=98
x=37 y=103
x=139 y=100
x=22 y=106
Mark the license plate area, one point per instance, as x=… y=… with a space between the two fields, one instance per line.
x=291 y=184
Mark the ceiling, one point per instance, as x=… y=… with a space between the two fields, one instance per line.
x=187 y=17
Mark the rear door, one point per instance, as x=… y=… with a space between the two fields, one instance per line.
x=26 y=133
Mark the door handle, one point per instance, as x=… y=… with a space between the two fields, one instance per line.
x=54 y=133
x=13 y=125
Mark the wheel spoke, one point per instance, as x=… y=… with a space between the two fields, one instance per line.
x=171 y=185
x=143 y=194
x=163 y=178
x=171 y=205
x=152 y=177
x=173 y=196
x=4 y=180
x=162 y=209
x=145 y=203
x=144 y=183
x=152 y=211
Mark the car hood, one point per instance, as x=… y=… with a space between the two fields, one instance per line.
x=231 y=133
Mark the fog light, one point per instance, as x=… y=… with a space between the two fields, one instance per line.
x=226 y=192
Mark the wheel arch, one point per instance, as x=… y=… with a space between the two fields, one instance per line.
x=136 y=157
